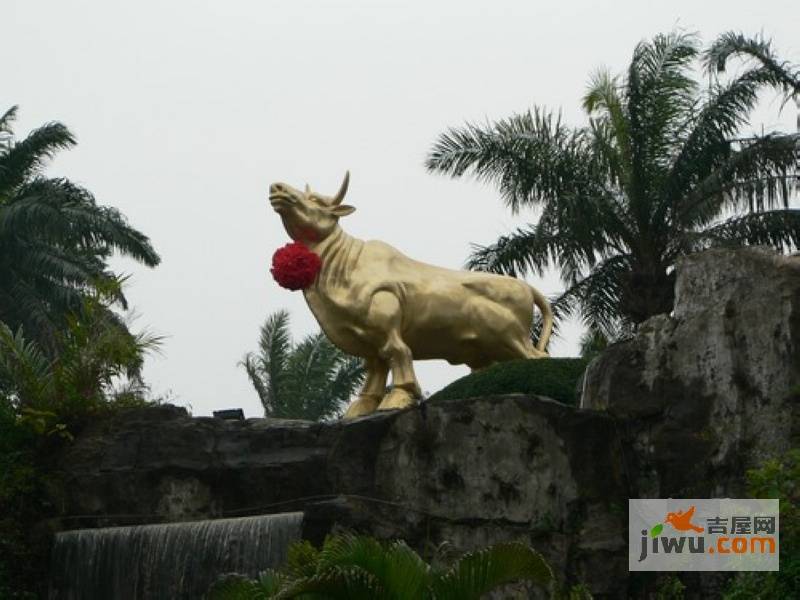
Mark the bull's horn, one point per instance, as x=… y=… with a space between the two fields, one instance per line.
x=337 y=199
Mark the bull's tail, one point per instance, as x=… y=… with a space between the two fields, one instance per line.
x=547 y=318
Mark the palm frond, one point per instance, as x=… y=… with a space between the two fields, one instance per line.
x=346 y=380
x=659 y=93
x=726 y=110
x=481 y=572
x=394 y=567
x=24 y=368
x=597 y=296
x=23 y=159
x=531 y=157
x=761 y=174
x=307 y=380
x=777 y=228
x=38 y=305
x=301 y=560
x=611 y=157
x=336 y=583
x=515 y=254
x=251 y=365
x=604 y=95
x=783 y=75
x=7 y=119
x=308 y=371
x=274 y=348
x=235 y=587
x=57 y=209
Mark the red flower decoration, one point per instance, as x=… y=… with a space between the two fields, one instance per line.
x=294 y=266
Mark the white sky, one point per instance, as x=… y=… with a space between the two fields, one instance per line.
x=186 y=111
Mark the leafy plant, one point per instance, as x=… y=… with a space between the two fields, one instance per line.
x=312 y=379
x=95 y=352
x=555 y=378
x=659 y=171
x=353 y=567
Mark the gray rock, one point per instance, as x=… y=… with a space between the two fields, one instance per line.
x=712 y=389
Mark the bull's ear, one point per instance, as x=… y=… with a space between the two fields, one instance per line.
x=343 y=210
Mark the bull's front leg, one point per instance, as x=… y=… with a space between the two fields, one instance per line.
x=373 y=390
x=385 y=319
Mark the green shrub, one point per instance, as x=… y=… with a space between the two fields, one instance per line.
x=556 y=378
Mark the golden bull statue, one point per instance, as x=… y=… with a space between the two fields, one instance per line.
x=374 y=302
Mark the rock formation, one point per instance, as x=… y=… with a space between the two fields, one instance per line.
x=680 y=410
x=713 y=389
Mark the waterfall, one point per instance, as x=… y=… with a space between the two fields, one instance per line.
x=171 y=561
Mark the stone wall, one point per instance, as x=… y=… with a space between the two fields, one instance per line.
x=464 y=472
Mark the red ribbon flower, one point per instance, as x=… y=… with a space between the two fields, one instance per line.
x=294 y=266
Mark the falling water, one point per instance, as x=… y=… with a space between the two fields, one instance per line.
x=169 y=562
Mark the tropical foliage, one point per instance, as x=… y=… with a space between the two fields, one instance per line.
x=99 y=361
x=311 y=379
x=55 y=240
x=356 y=567
x=661 y=169
x=776 y=478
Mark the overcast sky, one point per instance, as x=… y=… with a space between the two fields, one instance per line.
x=186 y=111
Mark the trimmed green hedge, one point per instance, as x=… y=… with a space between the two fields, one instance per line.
x=556 y=378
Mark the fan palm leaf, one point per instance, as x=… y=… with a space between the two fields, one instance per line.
x=478 y=573
x=311 y=379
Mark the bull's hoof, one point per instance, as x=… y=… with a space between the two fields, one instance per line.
x=397 y=398
x=363 y=405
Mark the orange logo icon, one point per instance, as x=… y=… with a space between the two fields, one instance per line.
x=682 y=520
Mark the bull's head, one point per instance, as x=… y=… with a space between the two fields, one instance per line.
x=308 y=216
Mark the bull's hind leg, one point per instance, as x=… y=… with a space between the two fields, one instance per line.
x=385 y=318
x=372 y=392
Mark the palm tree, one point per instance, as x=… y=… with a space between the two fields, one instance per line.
x=358 y=567
x=310 y=380
x=55 y=240
x=659 y=171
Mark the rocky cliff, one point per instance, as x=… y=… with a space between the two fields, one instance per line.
x=712 y=389
x=680 y=410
